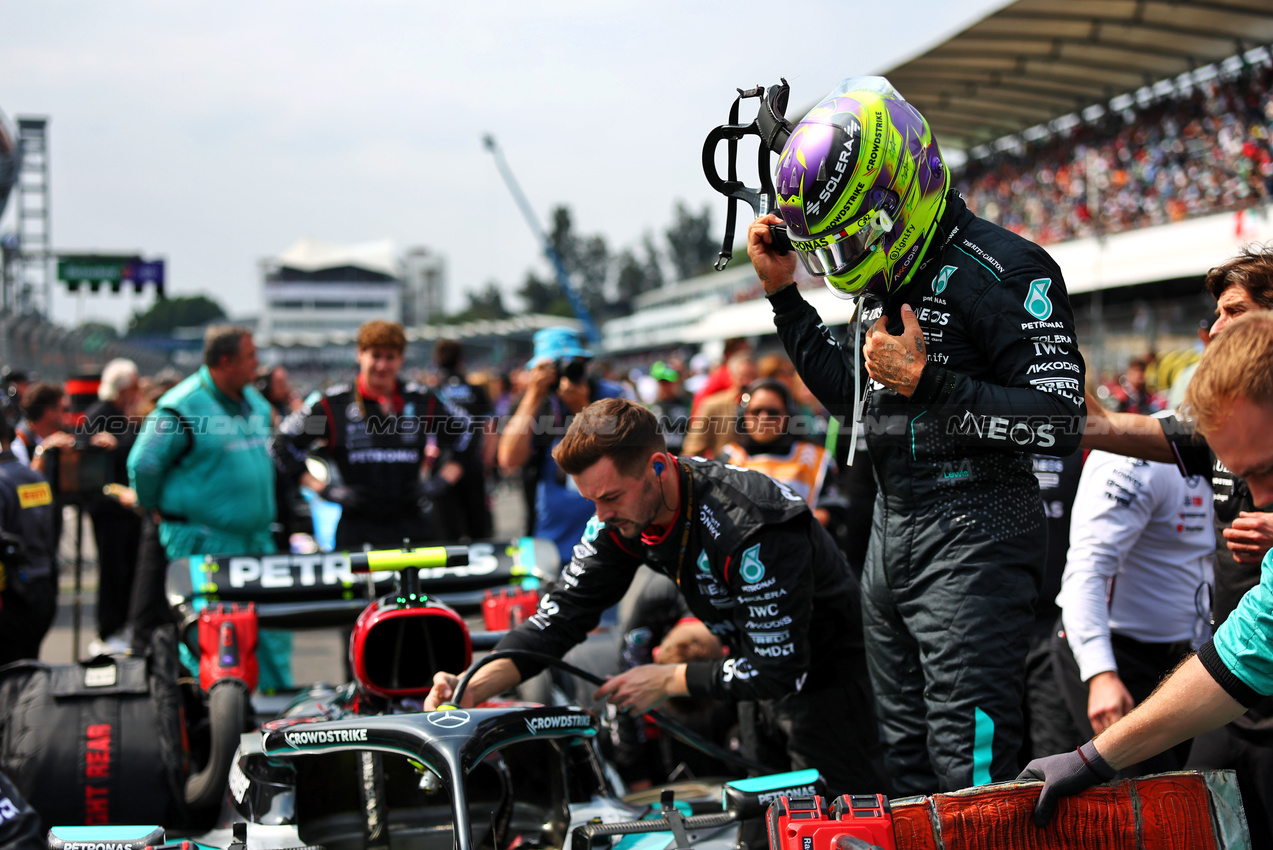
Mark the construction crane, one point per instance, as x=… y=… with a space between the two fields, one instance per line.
x=563 y=276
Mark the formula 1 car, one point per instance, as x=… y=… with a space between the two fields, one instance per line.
x=363 y=766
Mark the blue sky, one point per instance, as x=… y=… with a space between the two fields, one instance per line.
x=217 y=134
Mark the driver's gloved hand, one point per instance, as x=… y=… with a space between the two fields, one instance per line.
x=341 y=494
x=1066 y=774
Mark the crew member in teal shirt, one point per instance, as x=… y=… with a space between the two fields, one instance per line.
x=201 y=464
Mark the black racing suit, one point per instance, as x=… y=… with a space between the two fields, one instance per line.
x=1050 y=728
x=755 y=566
x=958 y=538
x=379 y=457
x=1246 y=744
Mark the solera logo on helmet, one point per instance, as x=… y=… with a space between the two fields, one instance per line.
x=844 y=164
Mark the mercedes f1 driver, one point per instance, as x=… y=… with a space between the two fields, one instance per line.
x=970 y=348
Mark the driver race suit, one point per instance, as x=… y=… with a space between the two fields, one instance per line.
x=762 y=574
x=379 y=456
x=958 y=539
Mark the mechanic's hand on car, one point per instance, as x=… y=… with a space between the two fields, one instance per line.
x=774 y=270
x=312 y=482
x=644 y=687
x=896 y=361
x=1250 y=537
x=1107 y=700
x=1065 y=774
x=440 y=694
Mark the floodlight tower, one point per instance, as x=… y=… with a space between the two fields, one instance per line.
x=35 y=241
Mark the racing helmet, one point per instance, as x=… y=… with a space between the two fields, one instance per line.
x=861 y=186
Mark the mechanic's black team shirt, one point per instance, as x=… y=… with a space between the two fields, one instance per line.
x=752 y=563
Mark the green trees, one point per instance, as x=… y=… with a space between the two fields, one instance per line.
x=609 y=281
x=168 y=314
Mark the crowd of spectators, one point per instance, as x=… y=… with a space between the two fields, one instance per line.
x=1193 y=152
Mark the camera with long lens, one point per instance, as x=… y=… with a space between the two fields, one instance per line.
x=573 y=369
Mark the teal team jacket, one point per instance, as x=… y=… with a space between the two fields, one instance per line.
x=201 y=460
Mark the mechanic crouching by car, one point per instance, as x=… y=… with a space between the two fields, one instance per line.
x=752 y=563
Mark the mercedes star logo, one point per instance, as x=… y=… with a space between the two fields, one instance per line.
x=448 y=719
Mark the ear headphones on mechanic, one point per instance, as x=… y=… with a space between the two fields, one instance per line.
x=658 y=473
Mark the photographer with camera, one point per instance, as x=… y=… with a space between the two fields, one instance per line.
x=559 y=388
x=47 y=425
x=28 y=552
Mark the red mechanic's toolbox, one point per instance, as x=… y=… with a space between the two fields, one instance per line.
x=509 y=608
x=853 y=822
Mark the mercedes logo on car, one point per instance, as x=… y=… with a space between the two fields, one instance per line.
x=448 y=719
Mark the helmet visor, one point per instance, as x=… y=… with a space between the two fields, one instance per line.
x=841 y=252
x=837 y=257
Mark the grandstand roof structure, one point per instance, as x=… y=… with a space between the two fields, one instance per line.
x=311 y=255
x=1034 y=61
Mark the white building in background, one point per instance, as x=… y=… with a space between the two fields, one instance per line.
x=423 y=287
x=316 y=287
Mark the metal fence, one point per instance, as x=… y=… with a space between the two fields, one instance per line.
x=54 y=353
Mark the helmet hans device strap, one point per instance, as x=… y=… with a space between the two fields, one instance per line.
x=773 y=130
